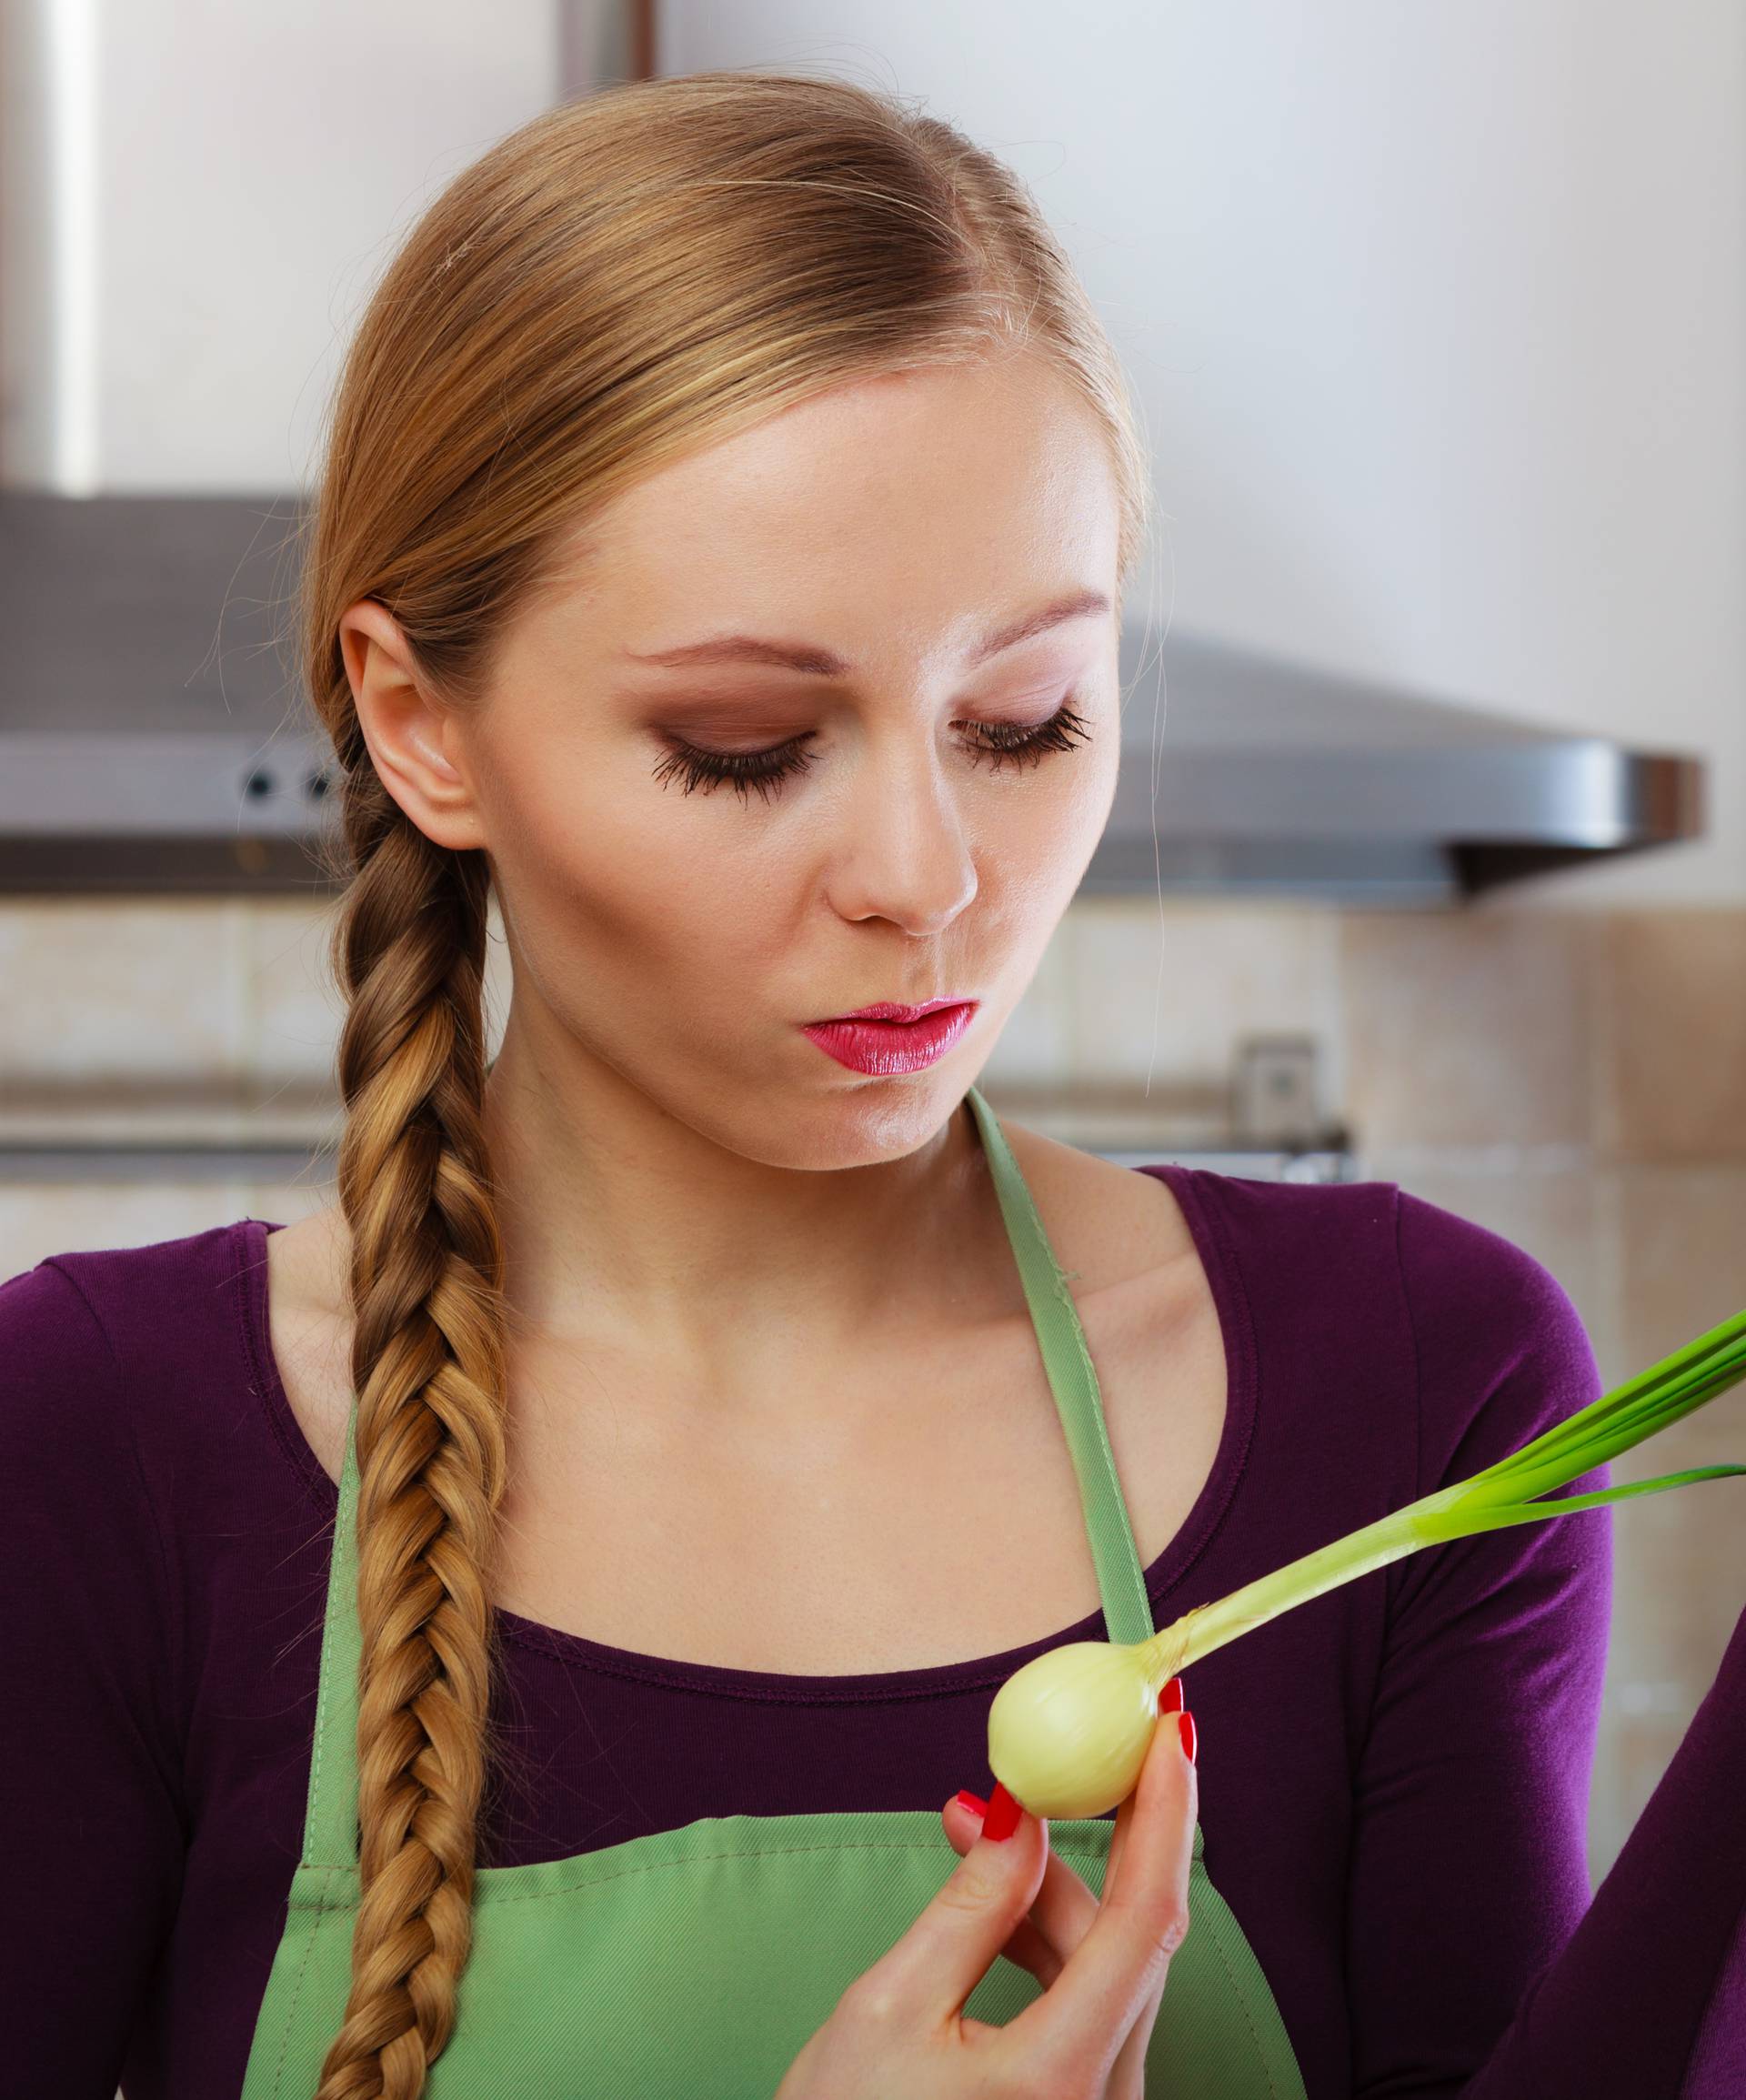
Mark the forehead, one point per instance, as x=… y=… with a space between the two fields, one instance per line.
x=909 y=511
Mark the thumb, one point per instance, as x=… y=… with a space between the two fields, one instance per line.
x=951 y=1946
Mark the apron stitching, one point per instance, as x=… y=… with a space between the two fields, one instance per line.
x=742 y=1852
x=297 y=1985
x=1264 y=2057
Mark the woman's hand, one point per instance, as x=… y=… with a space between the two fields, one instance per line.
x=899 y=2027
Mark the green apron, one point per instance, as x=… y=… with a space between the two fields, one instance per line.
x=695 y=1962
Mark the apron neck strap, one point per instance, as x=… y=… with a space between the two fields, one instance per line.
x=330 y=1826
x=330 y=1821
x=1073 y=1380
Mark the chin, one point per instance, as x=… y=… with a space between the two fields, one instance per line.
x=858 y=1122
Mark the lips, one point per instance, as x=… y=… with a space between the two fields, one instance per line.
x=866 y=1043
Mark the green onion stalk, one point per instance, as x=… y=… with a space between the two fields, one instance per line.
x=1068 y=1732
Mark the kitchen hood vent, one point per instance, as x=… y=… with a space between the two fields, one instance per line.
x=151 y=740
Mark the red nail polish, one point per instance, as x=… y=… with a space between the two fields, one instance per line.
x=1003 y=1815
x=973 y=1801
x=1185 y=1723
x=1170 y=1700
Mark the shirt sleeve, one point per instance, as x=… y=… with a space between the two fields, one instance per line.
x=90 y=1763
x=1479 y=1966
x=1467 y=1865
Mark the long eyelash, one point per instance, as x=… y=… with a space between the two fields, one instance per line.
x=1063 y=728
x=741 y=769
x=767 y=769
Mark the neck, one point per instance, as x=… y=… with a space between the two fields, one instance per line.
x=623 y=1225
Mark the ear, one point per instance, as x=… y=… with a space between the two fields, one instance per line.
x=415 y=741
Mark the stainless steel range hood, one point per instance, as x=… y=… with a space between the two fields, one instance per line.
x=151 y=739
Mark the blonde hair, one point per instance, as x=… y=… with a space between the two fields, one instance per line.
x=635 y=275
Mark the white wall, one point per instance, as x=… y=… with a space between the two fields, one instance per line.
x=1437 y=316
x=224 y=184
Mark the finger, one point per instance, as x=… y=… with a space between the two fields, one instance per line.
x=1058 y=1920
x=1127 y=2079
x=1127 y=2074
x=1172 y=1697
x=928 y=1974
x=1113 y=1974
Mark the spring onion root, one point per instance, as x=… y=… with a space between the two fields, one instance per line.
x=1069 y=1734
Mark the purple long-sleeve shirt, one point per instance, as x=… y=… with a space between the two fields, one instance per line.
x=1393 y=1778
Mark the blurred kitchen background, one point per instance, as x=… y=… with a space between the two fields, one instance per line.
x=1430 y=859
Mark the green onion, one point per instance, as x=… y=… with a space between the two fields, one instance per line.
x=1068 y=1732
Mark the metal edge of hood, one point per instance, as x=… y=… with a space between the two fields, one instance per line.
x=151 y=739
x=1259 y=773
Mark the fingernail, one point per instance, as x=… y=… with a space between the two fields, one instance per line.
x=1170 y=1700
x=1185 y=1724
x=973 y=1801
x=1003 y=1815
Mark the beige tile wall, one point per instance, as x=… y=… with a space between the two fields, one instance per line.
x=1575 y=1081
x=1589 y=1101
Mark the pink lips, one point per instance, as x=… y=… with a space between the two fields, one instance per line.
x=888 y=1039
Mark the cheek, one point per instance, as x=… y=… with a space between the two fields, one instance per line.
x=621 y=905
x=1034 y=844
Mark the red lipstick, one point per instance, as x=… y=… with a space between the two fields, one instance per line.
x=888 y=1038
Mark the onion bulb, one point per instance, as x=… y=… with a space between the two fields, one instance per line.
x=1068 y=1732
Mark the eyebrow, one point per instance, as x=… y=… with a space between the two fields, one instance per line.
x=823 y=663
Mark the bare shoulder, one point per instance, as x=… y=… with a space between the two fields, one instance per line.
x=310 y=1327
x=1107 y=1224
x=1150 y=1319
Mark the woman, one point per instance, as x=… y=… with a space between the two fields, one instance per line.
x=505 y=1632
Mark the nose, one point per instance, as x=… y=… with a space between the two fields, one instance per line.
x=900 y=849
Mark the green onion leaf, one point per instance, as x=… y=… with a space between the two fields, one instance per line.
x=1502 y=1494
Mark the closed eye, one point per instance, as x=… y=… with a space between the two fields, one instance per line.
x=765 y=770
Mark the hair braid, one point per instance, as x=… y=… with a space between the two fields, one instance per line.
x=428 y=1370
